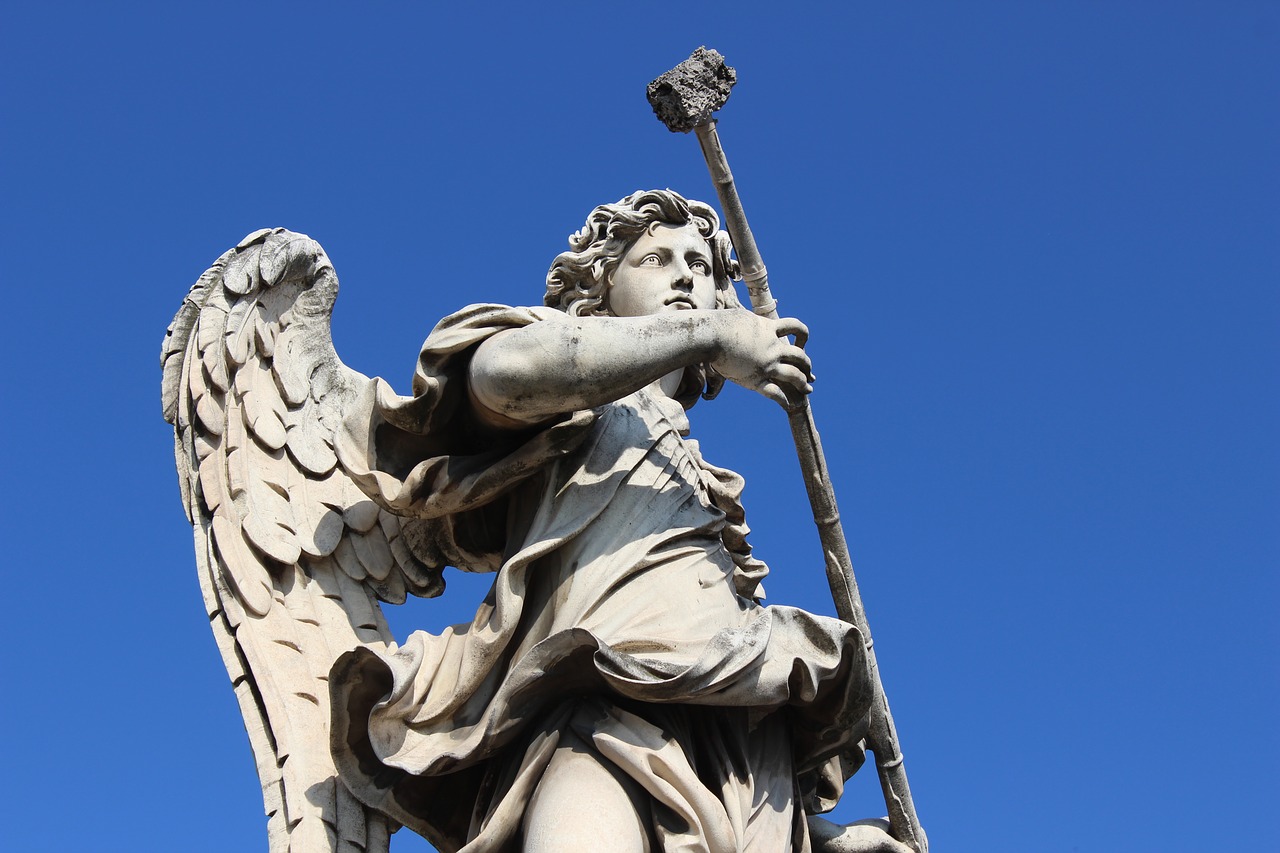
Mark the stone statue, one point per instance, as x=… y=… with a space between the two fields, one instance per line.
x=621 y=687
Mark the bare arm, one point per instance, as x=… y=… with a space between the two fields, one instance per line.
x=533 y=373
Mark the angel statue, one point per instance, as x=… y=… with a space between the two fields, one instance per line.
x=621 y=687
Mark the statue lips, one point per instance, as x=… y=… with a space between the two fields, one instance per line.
x=680 y=302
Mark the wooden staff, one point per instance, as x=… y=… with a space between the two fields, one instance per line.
x=684 y=99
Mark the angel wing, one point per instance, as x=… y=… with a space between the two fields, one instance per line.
x=292 y=556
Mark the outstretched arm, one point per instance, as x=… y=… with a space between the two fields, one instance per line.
x=531 y=374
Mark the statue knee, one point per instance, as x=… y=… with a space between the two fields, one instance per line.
x=585 y=804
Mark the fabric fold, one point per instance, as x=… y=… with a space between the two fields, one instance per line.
x=622 y=609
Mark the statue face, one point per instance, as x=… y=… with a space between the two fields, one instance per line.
x=666 y=269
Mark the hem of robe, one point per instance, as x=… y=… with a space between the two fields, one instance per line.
x=436 y=786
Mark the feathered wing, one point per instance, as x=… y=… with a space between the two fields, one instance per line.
x=292 y=556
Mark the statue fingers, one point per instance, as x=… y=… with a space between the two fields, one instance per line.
x=863 y=836
x=792 y=377
x=775 y=393
x=798 y=358
x=791 y=326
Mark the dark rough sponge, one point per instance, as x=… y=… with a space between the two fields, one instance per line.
x=688 y=94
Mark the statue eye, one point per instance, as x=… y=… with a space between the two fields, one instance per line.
x=700 y=267
x=651 y=261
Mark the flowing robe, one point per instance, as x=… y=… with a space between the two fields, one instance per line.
x=623 y=611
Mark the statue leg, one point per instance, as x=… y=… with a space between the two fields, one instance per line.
x=583 y=805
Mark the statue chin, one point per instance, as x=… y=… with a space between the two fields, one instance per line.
x=861 y=836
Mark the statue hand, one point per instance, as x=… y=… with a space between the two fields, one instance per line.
x=861 y=836
x=756 y=353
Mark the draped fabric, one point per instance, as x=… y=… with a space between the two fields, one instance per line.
x=622 y=616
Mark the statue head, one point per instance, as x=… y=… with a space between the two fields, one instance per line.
x=578 y=282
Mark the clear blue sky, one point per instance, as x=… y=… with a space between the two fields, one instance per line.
x=1036 y=244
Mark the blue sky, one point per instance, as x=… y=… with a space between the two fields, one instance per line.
x=1036 y=245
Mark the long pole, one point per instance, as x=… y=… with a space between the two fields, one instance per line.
x=882 y=738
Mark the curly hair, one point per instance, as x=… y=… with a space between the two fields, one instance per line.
x=578 y=281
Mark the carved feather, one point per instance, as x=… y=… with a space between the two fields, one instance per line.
x=243 y=572
x=264 y=335
x=344 y=553
x=308 y=442
x=210 y=411
x=319 y=527
x=277 y=252
x=391 y=589
x=257 y=237
x=239 y=328
x=293 y=369
x=264 y=410
x=212 y=352
x=173 y=352
x=361 y=514
x=292 y=557
x=241 y=272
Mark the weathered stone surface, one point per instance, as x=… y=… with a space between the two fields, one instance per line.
x=622 y=670
x=688 y=94
x=263 y=490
